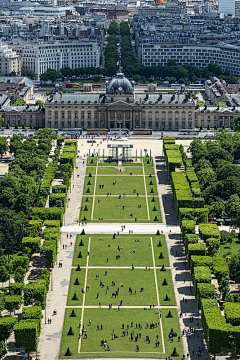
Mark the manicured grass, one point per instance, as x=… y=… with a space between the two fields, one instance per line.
x=151 y=186
x=149 y=170
x=91 y=170
x=107 y=248
x=164 y=290
x=154 y=209
x=124 y=279
x=135 y=170
x=124 y=185
x=233 y=248
x=92 y=162
x=76 y=289
x=70 y=341
x=160 y=249
x=88 y=187
x=76 y=260
x=168 y=325
x=85 y=215
x=110 y=209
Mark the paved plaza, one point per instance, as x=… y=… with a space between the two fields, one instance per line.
x=50 y=339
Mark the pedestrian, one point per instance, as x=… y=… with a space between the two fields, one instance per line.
x=90 y=321
x=107 y=260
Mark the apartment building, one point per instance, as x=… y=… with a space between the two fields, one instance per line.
x=38 y=57
x=9 y=60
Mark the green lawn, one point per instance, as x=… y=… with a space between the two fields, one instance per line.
x=86 y=206
x=104 y=247
x=91 y=170
x=149 y=170
x=135 y=170
x=124 y=185
x=121 y=346
x=76 y=289
x=164 y=290
x=110 y=209
x=158 y=249
x=151 y=185
x=124 y=279
x=233 y=248
x=83 y=249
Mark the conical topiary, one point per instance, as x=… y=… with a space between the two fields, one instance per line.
x=161 y=256
x=163 y=268
x=151 y=183
x=68 y=352
x=76 y=282
x=89 y=183
x=85 y=208
x=78 y=268
x=73 y=314
x=153 y=199
x=81 y=243
x=84 y=219
x=159 y=244
x=83 y=232
x=89 y=175
x=175 y=353
x=148 y=162
x=169 y=315
x=88 y=191
x=158 y=232
x=75 y=297
x=167 y=298
x=80 y=255
x=151 y=192
x=165 y=282
x=91 y=162
x=154 y=208
x=70 y=331
x=156 y=218
x=150 y=175
x=87 y=200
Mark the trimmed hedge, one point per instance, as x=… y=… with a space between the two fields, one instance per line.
x=190 y=239
x=59 y=189
x=198 y=202
x=34 y=292
x=191 y=175
x=48 y=178
x=31 y=242
x=49 y=251
x=201 y=274
x=232 y=313
x=205 y=291
x=52 y=233
x=34 y=227
x=196 y=249
x=68 y=158
x=34 y=312
x=58 y=200
x=188 y=227
x=13 y=302
x=52 y=223
x=48 y=214
x=200 y=213
x=16 y=288
x=220 y=268
x=209 y=231
x=26 y=334
x=213 y=246
x=200 y=261
x=173 y=160
x=6 y=326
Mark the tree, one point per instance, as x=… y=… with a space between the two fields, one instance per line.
x=50 y=74
x=1 y=120
x=4 y=274
x=3 y=146
x=20 y=102
x=40 y=102
x=221 y=104
x=3 y=349
x=13 y=73
x=15 y=144
x=236 y=122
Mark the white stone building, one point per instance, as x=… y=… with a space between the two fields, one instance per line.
x=9 y=60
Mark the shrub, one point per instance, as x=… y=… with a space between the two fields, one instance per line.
x=220 y=268
x=200 y=213
x=52 y=223
x=173 y=160
x=190 y=239
x=34 y=312
x=73 y=314
x=13 y=302
x=196 y=249
x=46 y=277
x=3 y=349
x=59 y=189
x=49 y=251
x=200 y=261
x=205 y=291
x=48 y=214
x=34 y=292
x=57 y=200
x=15 y=288
x=31 y=242
x=34 y=227
x=198 y=202
x=188 y=227
x=209 y=231
x=191 y=175
x=232 y=313
x=201 y=274
x=70 y=331
x=6 y=326
x=26 y=334
x=213 y=245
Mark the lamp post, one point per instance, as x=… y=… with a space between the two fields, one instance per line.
x=51 y=278
x=36 y=346
x=46 y=309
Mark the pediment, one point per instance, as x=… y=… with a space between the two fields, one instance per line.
x=120 y=104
